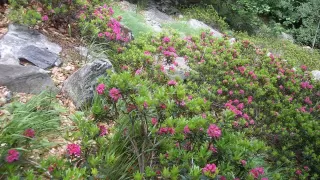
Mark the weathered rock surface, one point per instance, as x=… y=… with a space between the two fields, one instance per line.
x=20 y=42
x=181 y=69
x=26 y=79
x=200 y=25
x=80 y=85
x=316 y=74
x=155 y=18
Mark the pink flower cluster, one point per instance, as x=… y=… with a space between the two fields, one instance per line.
x=115 y=94
x=214 y=131
x=166 y=130
x=13 y=155
x=100 y=88
x=209 y=168
x=103 y=130
x=29 y=133
x=73 y=150
x=256 y=172
x=186 y=130
x=154 y=121
x=172 y=83
x=307 y=101
x=235 y=106
x=306 y=85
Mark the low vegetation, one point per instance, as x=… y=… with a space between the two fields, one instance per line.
x=247 y=110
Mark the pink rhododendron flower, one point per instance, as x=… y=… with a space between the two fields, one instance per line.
x=13 y=155
x=167 y=53
x=264 y=178
x=222 y=178
x=171 y=49
x=138 y=71
x=111 y=12
x=172 y=83
x=298 y=172
x=241 y=92
x=154 y=121
x=214 y=131
x=103 y=130
x=100 y=88
x=186 y=129
x=307 y=100
x=251 y=122
x=115 y=94
x=73 y=150
x=230 y=93
x=240 y=106
x=304 y=67
x=145 y=105
x=100 y=35
x=147 y=53
x=219 y=91
x=209 y=168
x=29 y=133
x=166 y=40
x=166 y=130
x=163 y=106
x=243 y=162
x=213 y=149
x=45 y=18
x=204 y=115
x=250 y=99
x=256 y=172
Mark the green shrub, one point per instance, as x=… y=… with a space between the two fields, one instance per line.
x=206 y=14
x=294 y=54
x=25 y=129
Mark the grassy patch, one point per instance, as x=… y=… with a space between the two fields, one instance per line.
x=134 y=21
x=182 y=27
x=293 y=53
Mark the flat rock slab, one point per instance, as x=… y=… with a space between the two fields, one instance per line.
x=24 y=43
x=39 y=56
x=316 y=74
x=25 y=79
x=81 y=84
x=201 y=25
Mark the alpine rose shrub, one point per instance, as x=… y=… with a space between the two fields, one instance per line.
x=13 y=155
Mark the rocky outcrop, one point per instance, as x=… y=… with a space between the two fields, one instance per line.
x=201 y=25
x=22 y=43
x=316 y=74
x=26 y=79
x=80 y=85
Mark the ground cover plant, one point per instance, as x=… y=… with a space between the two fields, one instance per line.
x=240 y=113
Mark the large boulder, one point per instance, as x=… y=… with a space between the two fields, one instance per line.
x=316 y=74
x=179 y=69
x=26 y=79
x=201 y=25
x=80 y=85
x=22 y=43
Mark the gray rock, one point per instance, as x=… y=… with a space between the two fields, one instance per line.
x=200 y=25
x=316 y=74
x=287 y=37
x=155 y=18
x=180 y=70
x=20 y=39
x=80 y=85
x=38 y=56
x=25 y=79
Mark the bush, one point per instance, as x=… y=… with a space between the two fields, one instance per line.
x=294 y=54
x=206 y=14
x=24 y=130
